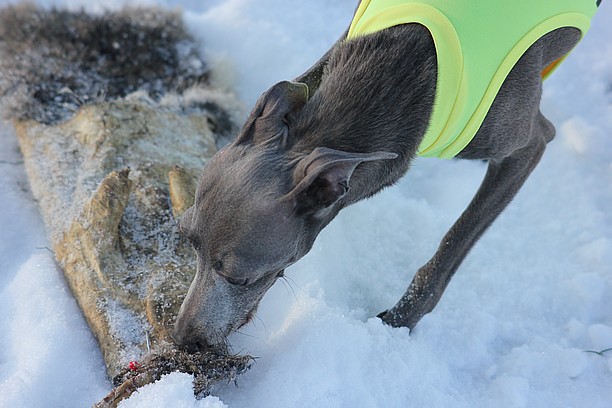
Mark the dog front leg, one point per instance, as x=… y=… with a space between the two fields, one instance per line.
x=502 y=181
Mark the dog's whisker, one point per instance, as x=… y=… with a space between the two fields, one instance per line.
x=261 y=321
x=250 y=335
x=289 y=288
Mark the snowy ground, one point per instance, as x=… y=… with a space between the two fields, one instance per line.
x=511 y=331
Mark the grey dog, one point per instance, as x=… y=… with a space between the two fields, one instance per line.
x=341 y=132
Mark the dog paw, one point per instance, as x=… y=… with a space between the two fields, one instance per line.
x=400 y=318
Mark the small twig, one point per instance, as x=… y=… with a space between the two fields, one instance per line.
x=12 y=163
x=599 y=353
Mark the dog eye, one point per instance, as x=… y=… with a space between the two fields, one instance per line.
x=236 y=281
x=217 y=266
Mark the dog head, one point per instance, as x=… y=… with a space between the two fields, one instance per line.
x=259 y=207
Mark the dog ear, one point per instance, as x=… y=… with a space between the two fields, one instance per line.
x=186 y=220
x=322 y=178
x=268 y=120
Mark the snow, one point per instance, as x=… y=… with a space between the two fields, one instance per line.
x=511 y=330
x=48 y=355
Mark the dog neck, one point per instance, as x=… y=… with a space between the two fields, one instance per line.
x=376 y=94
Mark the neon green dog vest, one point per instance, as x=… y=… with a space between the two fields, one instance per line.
x=477 y=44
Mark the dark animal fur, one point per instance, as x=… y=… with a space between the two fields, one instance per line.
x=52 y=62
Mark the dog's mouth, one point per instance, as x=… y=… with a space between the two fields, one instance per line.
x=251 y=314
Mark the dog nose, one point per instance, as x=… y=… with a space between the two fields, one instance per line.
x=187 y=339
x=194 y=347
x=191 y=344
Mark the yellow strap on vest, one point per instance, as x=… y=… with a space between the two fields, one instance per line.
x=477 y=44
